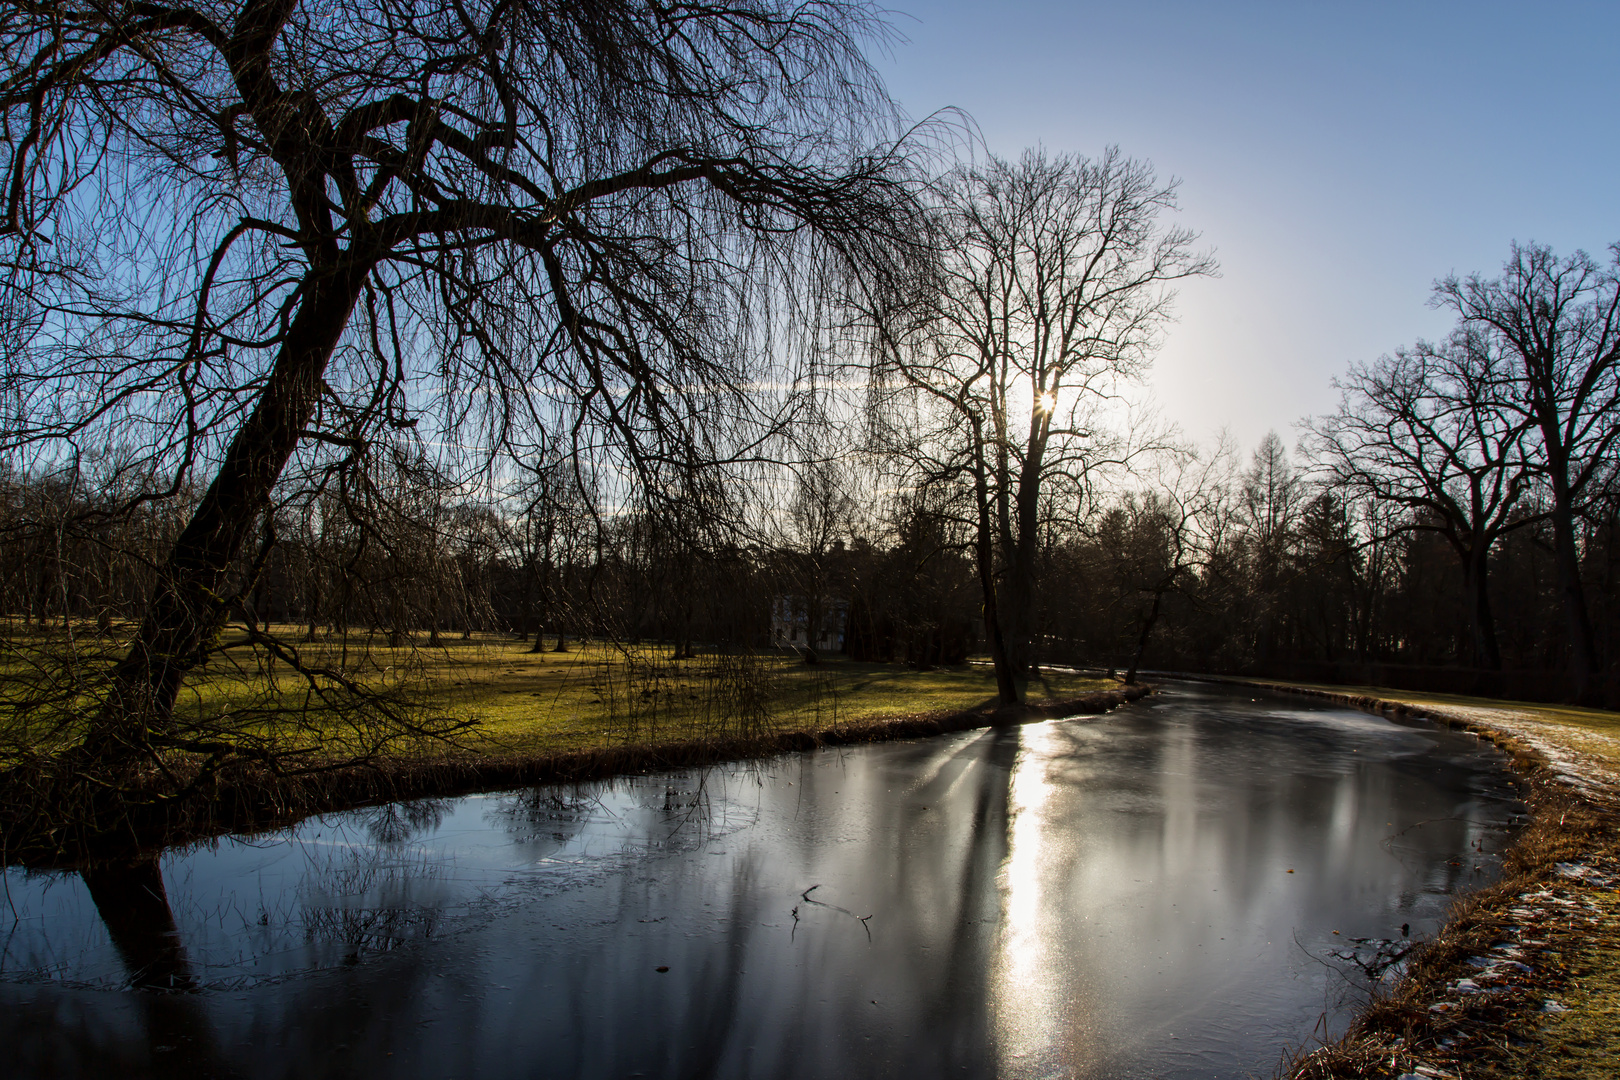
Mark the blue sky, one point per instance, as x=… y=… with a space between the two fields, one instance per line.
x=1337 y=157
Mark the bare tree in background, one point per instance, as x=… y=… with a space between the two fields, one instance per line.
x=1052 y=290
x=1186 y=512
x=820 y=515
x=1428 y=429
x=252 y=238
x=552 y=526
x=1557 y=323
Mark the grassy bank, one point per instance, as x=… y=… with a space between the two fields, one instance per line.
x=598 y=695
x=591 y=712
x=492 y=694
x=1523 y=981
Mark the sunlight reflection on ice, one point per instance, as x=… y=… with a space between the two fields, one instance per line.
x=1022 y=982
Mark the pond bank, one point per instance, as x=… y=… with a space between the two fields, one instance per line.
x=256 y=800
x=1524 y=978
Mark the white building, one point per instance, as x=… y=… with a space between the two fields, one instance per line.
x=790 y=623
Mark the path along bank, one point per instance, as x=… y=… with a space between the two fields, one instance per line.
x=1523 y=980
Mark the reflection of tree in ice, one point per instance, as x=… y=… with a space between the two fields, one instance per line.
x=373 y=898
x=369 y=929
x=535 y=814
x=396 y=823
x=630 y=815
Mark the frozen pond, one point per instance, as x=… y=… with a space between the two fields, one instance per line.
x=1151 y=893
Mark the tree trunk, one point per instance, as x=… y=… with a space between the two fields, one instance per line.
x=1578 y=623
x=1020 y=543
x=1006 y=686
x=1016 y=602
x=1141 y=642
x=1476 y=572
x=188 y=604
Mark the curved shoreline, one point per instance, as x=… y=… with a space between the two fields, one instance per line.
x=259 y=802
x=1477 y=998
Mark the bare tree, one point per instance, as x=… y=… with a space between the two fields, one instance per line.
x=1052 y=291
x=1185 y=513
x=552 y=524
x=257 y=236
x=1429 y=429
x=1557 y=322
x=820 y=513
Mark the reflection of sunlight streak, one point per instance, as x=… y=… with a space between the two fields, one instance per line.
x=965 y=767
x=1026 y=1020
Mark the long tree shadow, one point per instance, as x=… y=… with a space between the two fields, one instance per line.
x=134 y=905
x=132 y=902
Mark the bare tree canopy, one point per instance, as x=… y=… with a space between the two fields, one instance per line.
x=1431 y=429
x=1053 y=286
x=243 y=234
x=1557 y=322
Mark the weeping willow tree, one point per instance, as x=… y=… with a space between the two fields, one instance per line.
x=274 y=252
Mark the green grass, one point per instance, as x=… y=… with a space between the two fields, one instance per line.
x=592 y=696
x=527 y=702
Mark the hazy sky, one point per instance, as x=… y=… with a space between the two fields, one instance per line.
x=1337 y=157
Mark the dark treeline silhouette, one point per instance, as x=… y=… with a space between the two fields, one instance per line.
x=1292 y=576
x=1265 y=566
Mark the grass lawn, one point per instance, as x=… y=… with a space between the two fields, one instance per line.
x=598 y=695
x=594 y=695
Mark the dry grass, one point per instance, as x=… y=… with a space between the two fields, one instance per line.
x=1585 y=1041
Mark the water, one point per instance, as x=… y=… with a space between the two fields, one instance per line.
x=1097 y=897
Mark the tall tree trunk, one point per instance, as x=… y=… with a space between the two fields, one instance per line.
x=1016 y=601
x=1577 y=621
x=188 y=604
x=1476 y=578
x=1006 y=685
x=1142 y=641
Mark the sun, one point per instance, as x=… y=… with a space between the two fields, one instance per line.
x=1046 y=402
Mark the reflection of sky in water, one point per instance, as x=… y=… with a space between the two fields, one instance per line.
x=1097 y=898
x=346 y=885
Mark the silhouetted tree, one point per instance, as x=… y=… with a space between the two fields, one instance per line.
x=1052 y=288
x=1557 y=322
x=1430 y=429
x=255 y=234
